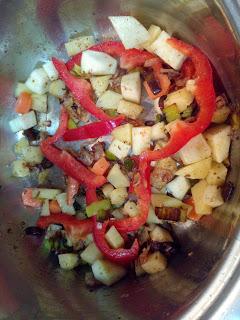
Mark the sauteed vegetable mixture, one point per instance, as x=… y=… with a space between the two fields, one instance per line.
x=142 y=142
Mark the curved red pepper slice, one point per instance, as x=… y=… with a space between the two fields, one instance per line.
x=113 y=48
x=75 y=229
x=133 y=58
x=93 y=130
x=81 y=89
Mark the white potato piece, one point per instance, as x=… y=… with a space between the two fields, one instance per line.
x=198 y=194
x=39 y=102
x=160 y=235
x=33 y=155
x=114 y=238
x=130 y=208
x=217 y=174
x=129 y=109
x=50 y=70
x=65 y=207
x=20 y=169
x=131 y=87
x=182 y=98
x=123 y=133
x=46 y=193
x=109 y=100
x=107 y=272
x=21 y=145
x=23 y=122
x=100 y=84
x=79 y=44
x=107 y=190
x=219 y=139
x=118 y=196
x=195 y=150
x=212 y=196
x=45 y=212
x=154 y=33
x=131 y=32
x=197 y=170
x=178 y=187
x=98 y=63
x=156 y=262
x=158 y=131
x=166 y=52
x=119 y=149
x=91 y=253
x=57 y=88
x=141 y=139
x=38 y=81
x=20 y=88
x=152 y=217
x=117 y=178
x=68 y=261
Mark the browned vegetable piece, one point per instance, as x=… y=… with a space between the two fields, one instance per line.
x=172 y=214
x=163 y=172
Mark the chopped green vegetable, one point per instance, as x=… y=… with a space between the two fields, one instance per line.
x=110 y=156
x=71 y=124
x=96 y=207
x=128 y=164
x=111 y=112
x=47 y=245
x=171 y=112
x=77 y=71
x=187 y=113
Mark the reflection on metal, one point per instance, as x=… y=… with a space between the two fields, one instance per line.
x=203 y=280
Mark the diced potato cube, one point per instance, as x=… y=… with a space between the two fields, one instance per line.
x=65 y=207
x=118 y=196
x=39 y=102
x=182 y=98
x=178 y=187
x=219 y=139
x=217 y=174
x=109 y=100
x=138 y=268
x=154 y=33
x=50 y=70
x=141 y=139
x=98 y=63
x=119 y=149
x=195 y=150
x=33 y=155
x=197 y=170
x=117 y=214
x=79 y=44
x=21 y=87
x=160 y=235
x=130 y=208
x=221 y=114
x=68 y=261
x=114 y=239
x=156 y=262
x=198 y=194
x=152 y=217
x=107 y=190
x=117 y=178
x=20 y=169
x=212 y=196
x=45 y=212
x=100 y=84
x=123 y=133
x=21 y=145
x=57 y=88
x=38 y=81
x=129 y=109
x=91 y=253
x=23 y=122
x=131 y=87
x=107 y=272
x=158 y=131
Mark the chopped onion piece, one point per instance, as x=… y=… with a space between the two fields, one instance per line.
x=24 y=122
x=50 y=70
x=38 y=81
x=98 y=63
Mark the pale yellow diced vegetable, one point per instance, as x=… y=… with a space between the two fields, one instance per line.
x=109 y=100
x=33 y=155
x=91 y=253
x=118 y=196
x=119 y=149
x=68 y=261
x=117 y=214
x=158 y=131
x=182 y=98
x=198 y=194
x=107 y=190
x=141 y=139
x=114 y=239
x=79 y=44
x=57 y=88
x=152 y=217
x=222 y=110
x=160 y=235
x=197 y=170
x=129 y=109
x=45 y=212
x=212 y=196
x=21 y=87
x=21 y=145
x=117 y=178
x=123 y=133
x=138 y=268
x=217 y=174
x=100 y=84
x=130 y=208
x=162 y=200
x=20 y=169
x=156 y=262
x=107 y=272
x=154 y=33
x=39 y=102
x=131 y=87
x=178 y=187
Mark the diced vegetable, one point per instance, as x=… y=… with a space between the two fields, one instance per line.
x=20 y=169
x=154 y=33
x=110 y=156
x=219 y=139
x=152 y=217
x=38 y=81
x=57 y=88
x=131 y=32
x=21 y=145
x=54 y=207
x=107 y=190
x=39 y=102
x=171 y=113
x=68 y=261
x=157 y=108
x=100 y=84
x=182 y=98
x=222 y=110
x=119 y=149
x=141 y=139
x=217 y=174
x=24 y=103
x=117 y=178
x=123 y=133
x=100 y=167
x=158 y=132
x=21 y=87
x=131 y=87
x=198 y=194
x=117 y=214
x=45 y=209
x=212 y=196
x=195 y=150
x=161 y=200
x=79 y=44
x=97 y=207
x=71 y=124
x=178 y=187
x=160 y=235
x=62 y=201
x=45 y=193
x=91 y=253
x=33 y=155
x=98 y=63
x=197 y=170
x=107 y=272
x=24 y=122
x=138 y=268
x=156 y=262
x=50 y=70
x=128 y=164
x=29 y=199
x=166 y=52
x=118 y=196
x=109 y=100
x=129 y=109
x=114 y=239
x=130 y=208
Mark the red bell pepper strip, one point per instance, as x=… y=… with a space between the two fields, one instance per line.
x=93 y=130
x=120 y=256
x=113 y=48
x=188 y=70
x=75 y=229
x=72 y=189
x=181 y=132
x=133 y=58
x=81 y=90
x=91 y=195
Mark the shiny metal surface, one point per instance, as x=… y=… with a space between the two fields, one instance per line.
x=202 y=282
